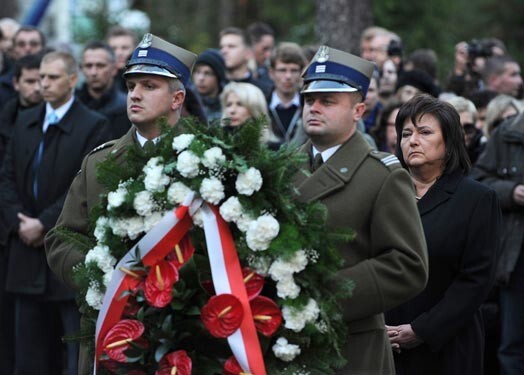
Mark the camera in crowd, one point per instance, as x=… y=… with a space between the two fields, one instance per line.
x=479 y=48
x=395 y=48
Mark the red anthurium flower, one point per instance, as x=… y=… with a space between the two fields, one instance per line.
x=222 y=315
x=136 y=281
x=231 y=367
x=119 y=338
x=182 y=252
x=254 y=282
x=175 y=363
x=159 y=283
x=267 y=315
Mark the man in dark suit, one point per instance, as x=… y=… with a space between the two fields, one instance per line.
x=99 y=91
x=26 y=81
x=367 y=191
x=43 y=156
x=156 y=77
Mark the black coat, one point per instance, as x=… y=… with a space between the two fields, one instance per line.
x=66 y=143
x=113 y=105
x=462 y=223
x=501 y=167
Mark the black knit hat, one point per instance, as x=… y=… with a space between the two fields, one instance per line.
x=420 y=80
x=214 y=59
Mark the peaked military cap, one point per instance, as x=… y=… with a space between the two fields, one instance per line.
x=156 y=56
x=332 y=70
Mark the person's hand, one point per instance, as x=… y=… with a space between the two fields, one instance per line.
x=402 y=337
x=393 y=332
x=461 y=58
x=518 y=195
x=30 y=230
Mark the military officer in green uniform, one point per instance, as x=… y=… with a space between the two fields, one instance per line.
x=367 y=191
x=156 y=76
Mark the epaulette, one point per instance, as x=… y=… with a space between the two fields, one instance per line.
x=102 y=146
x=389 y=160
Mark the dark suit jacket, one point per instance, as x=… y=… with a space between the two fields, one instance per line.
x=112 y=105
x=370 y=193
x=66 y=143
x=462 y=222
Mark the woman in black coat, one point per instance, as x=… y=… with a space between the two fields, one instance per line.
x=441 y=330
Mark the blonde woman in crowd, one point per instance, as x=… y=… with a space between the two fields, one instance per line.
x=499 y=109
x=242 y=102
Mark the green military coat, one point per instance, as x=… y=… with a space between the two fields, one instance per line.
x=371 y=193
x=83 y=195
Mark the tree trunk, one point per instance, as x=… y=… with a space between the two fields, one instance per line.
x=340 y=22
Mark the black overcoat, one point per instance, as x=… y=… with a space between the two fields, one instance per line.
x=66 y=143
x=462 y=222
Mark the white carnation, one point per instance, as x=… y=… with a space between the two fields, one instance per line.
x=152 y=220
x=143 y=203
x=285 y=351
x=182 y=142
x=134 y=227
x=311 y=311
x=293 y=318
x=287 y=288
x=249 y=182
x=244 y=221
x=177 y=192
x=102 y=224
x=116 y=198
x=101 y=257
x=187 y=164
x=280 y=270
x=261 y=232
x=155 y=179
x=231 y=209
x=212 y=190
x=299 y=261
x=296 y=318
x=94 y=297
x=213 y=158
x=118 y=226
x=107 y=278
x=198 y=219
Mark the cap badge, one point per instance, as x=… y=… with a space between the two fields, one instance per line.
x=146 y=41
x=323 y=54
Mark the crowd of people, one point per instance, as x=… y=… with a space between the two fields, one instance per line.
x=449 y=204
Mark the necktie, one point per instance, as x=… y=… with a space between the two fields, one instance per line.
x=52 y=119
x=149 y=147
x=317 y=162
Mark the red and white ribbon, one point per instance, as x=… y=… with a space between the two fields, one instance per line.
x=227 y=278
x=154 y=246
x=225 y=269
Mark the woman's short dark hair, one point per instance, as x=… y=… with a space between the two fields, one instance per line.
x=456 y=154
